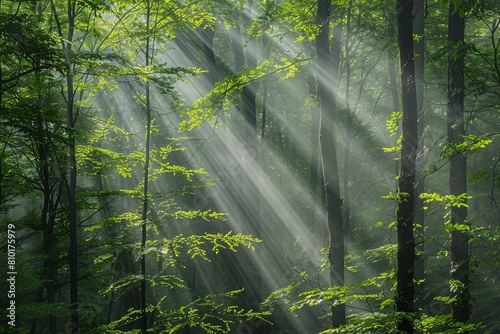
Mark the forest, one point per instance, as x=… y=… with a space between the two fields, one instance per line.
x=250 y=166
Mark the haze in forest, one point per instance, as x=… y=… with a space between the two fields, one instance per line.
x=249 y=166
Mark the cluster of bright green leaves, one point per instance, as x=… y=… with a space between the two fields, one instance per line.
x=171 y=249
x=212 y=314
x=392 y=124
x=374 y=291
x=295 y=19
x=444 y=324
x=471 y=143
x=336 y=295
x=449 y=200
x=369 y=323
x=367 y=290
x=204 y=312
x=224 y=95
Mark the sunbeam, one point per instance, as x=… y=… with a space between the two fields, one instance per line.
x=244 y=166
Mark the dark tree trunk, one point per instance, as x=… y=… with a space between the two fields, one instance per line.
x=73 y=221
x=406 y=205
x=348 y=127
x=51 y=199
x=327 y=75
x=419 y=45
x=71 y=186
x=458 y=175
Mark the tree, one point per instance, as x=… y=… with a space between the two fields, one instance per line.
x=419 y=46
x=66 y=40
x=326 y=70
x=32 y=140
x=145 y=192
x=458 y=165
x=406 y=192
x=249 y=204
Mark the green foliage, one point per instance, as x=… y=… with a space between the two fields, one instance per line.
x=449 y=200
x=195 y=243
x=339 y=294
x=224 y=95
x=210 y=314
x=392 y=124
x=470 y=144
x=444 y=324
x=376 y=323
x=107 y=53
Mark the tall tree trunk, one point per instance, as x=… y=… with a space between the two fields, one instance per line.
x=327 y=76
x=51 y=198
x=145 y=193
x=458 y=175
x=419 y=45
x=406 y=205
x=67 y=44
x=51 y=192
x=348 y=126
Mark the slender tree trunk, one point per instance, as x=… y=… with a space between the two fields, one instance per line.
x=67 y=44
x=327 y=76
x=51 y=192
x=47 y=219
x=406 y=206
x=348 y=127
x=73 y=221
x=145 y=193
x=418 y=29
x=458 y=174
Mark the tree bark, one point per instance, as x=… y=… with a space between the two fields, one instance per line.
x=348 y=127
x=51 y=199
x=458 y=174
x=67 y=44
x=419 y=45
x=326 y=70
x=406 y=193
